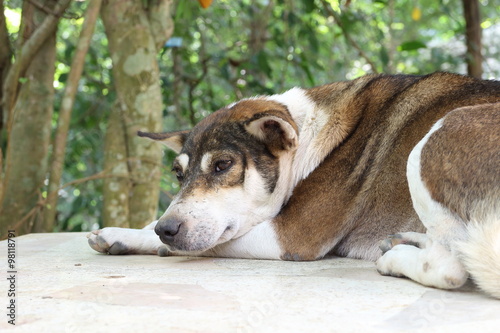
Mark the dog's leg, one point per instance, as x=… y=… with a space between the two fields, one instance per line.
x=127 y=241
x=260 y=242
x=429 y=259
x=421 y=259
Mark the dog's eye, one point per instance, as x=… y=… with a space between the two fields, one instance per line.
x=178 y=173
x=223 y=165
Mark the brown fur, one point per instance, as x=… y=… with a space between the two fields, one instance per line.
x=359 y=194
x=468 y=138
x=245 y=110
x=361 y=133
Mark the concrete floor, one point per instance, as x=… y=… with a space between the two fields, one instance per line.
x=64 y=286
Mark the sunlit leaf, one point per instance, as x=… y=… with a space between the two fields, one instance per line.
x=416 y=14
x=411 y=45
x=205 y=3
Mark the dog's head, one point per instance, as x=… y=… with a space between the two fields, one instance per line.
x=233 y=169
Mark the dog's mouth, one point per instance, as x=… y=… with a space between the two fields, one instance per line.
x=201 y=241
x=227 y=234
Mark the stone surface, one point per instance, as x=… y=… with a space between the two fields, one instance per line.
x=64 y=286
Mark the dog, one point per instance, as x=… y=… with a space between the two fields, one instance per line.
x=335 y=169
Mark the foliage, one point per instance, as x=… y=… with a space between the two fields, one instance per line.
x=236 y=49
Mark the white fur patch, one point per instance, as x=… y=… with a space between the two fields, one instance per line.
x=440 y=222
x=297 y=102
x=260 y=243
x=183 y=160
x=481 y=253
x=308 y=155
x=205 y=162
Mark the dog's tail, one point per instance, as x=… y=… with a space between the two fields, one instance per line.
x=481 y=254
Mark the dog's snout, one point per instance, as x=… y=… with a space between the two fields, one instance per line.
x=167 y=229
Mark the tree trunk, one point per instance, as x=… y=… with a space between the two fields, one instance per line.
x=135 y=35
x=117 y=188
x=473 y=37
x=30 y=119
x=68 y=100
x=5 y=54
x=32 y=35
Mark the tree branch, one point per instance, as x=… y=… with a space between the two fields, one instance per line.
x=65 y=112
x=24 y=57
x=5 y=55
x=347 y=36
x=193 y=83
x=1 y=173
x=44 y=8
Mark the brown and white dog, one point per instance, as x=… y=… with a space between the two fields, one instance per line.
x=334 y=170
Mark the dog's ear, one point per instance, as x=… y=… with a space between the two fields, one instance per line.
x=173 y=140
x=276 y=131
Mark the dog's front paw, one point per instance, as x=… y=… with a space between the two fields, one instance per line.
x=104 y=241
x=126 y=241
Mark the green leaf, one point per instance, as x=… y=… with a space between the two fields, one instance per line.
x=309 y=6
x=264 y=63
x=185 y=11
x=348 y=20
x=310 y=35
x=384 y=56
x=304 y=64
x=292 y=19
x=63 y=77
x=411 y=45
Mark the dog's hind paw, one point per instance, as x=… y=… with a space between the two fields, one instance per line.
x=388 y=264
x=408 y=238
x=387 y=244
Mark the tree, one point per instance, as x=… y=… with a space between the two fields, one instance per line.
x=29 y=118
x=136 y=31
x=472 y=17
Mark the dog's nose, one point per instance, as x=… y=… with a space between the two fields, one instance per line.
x=167 y=229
